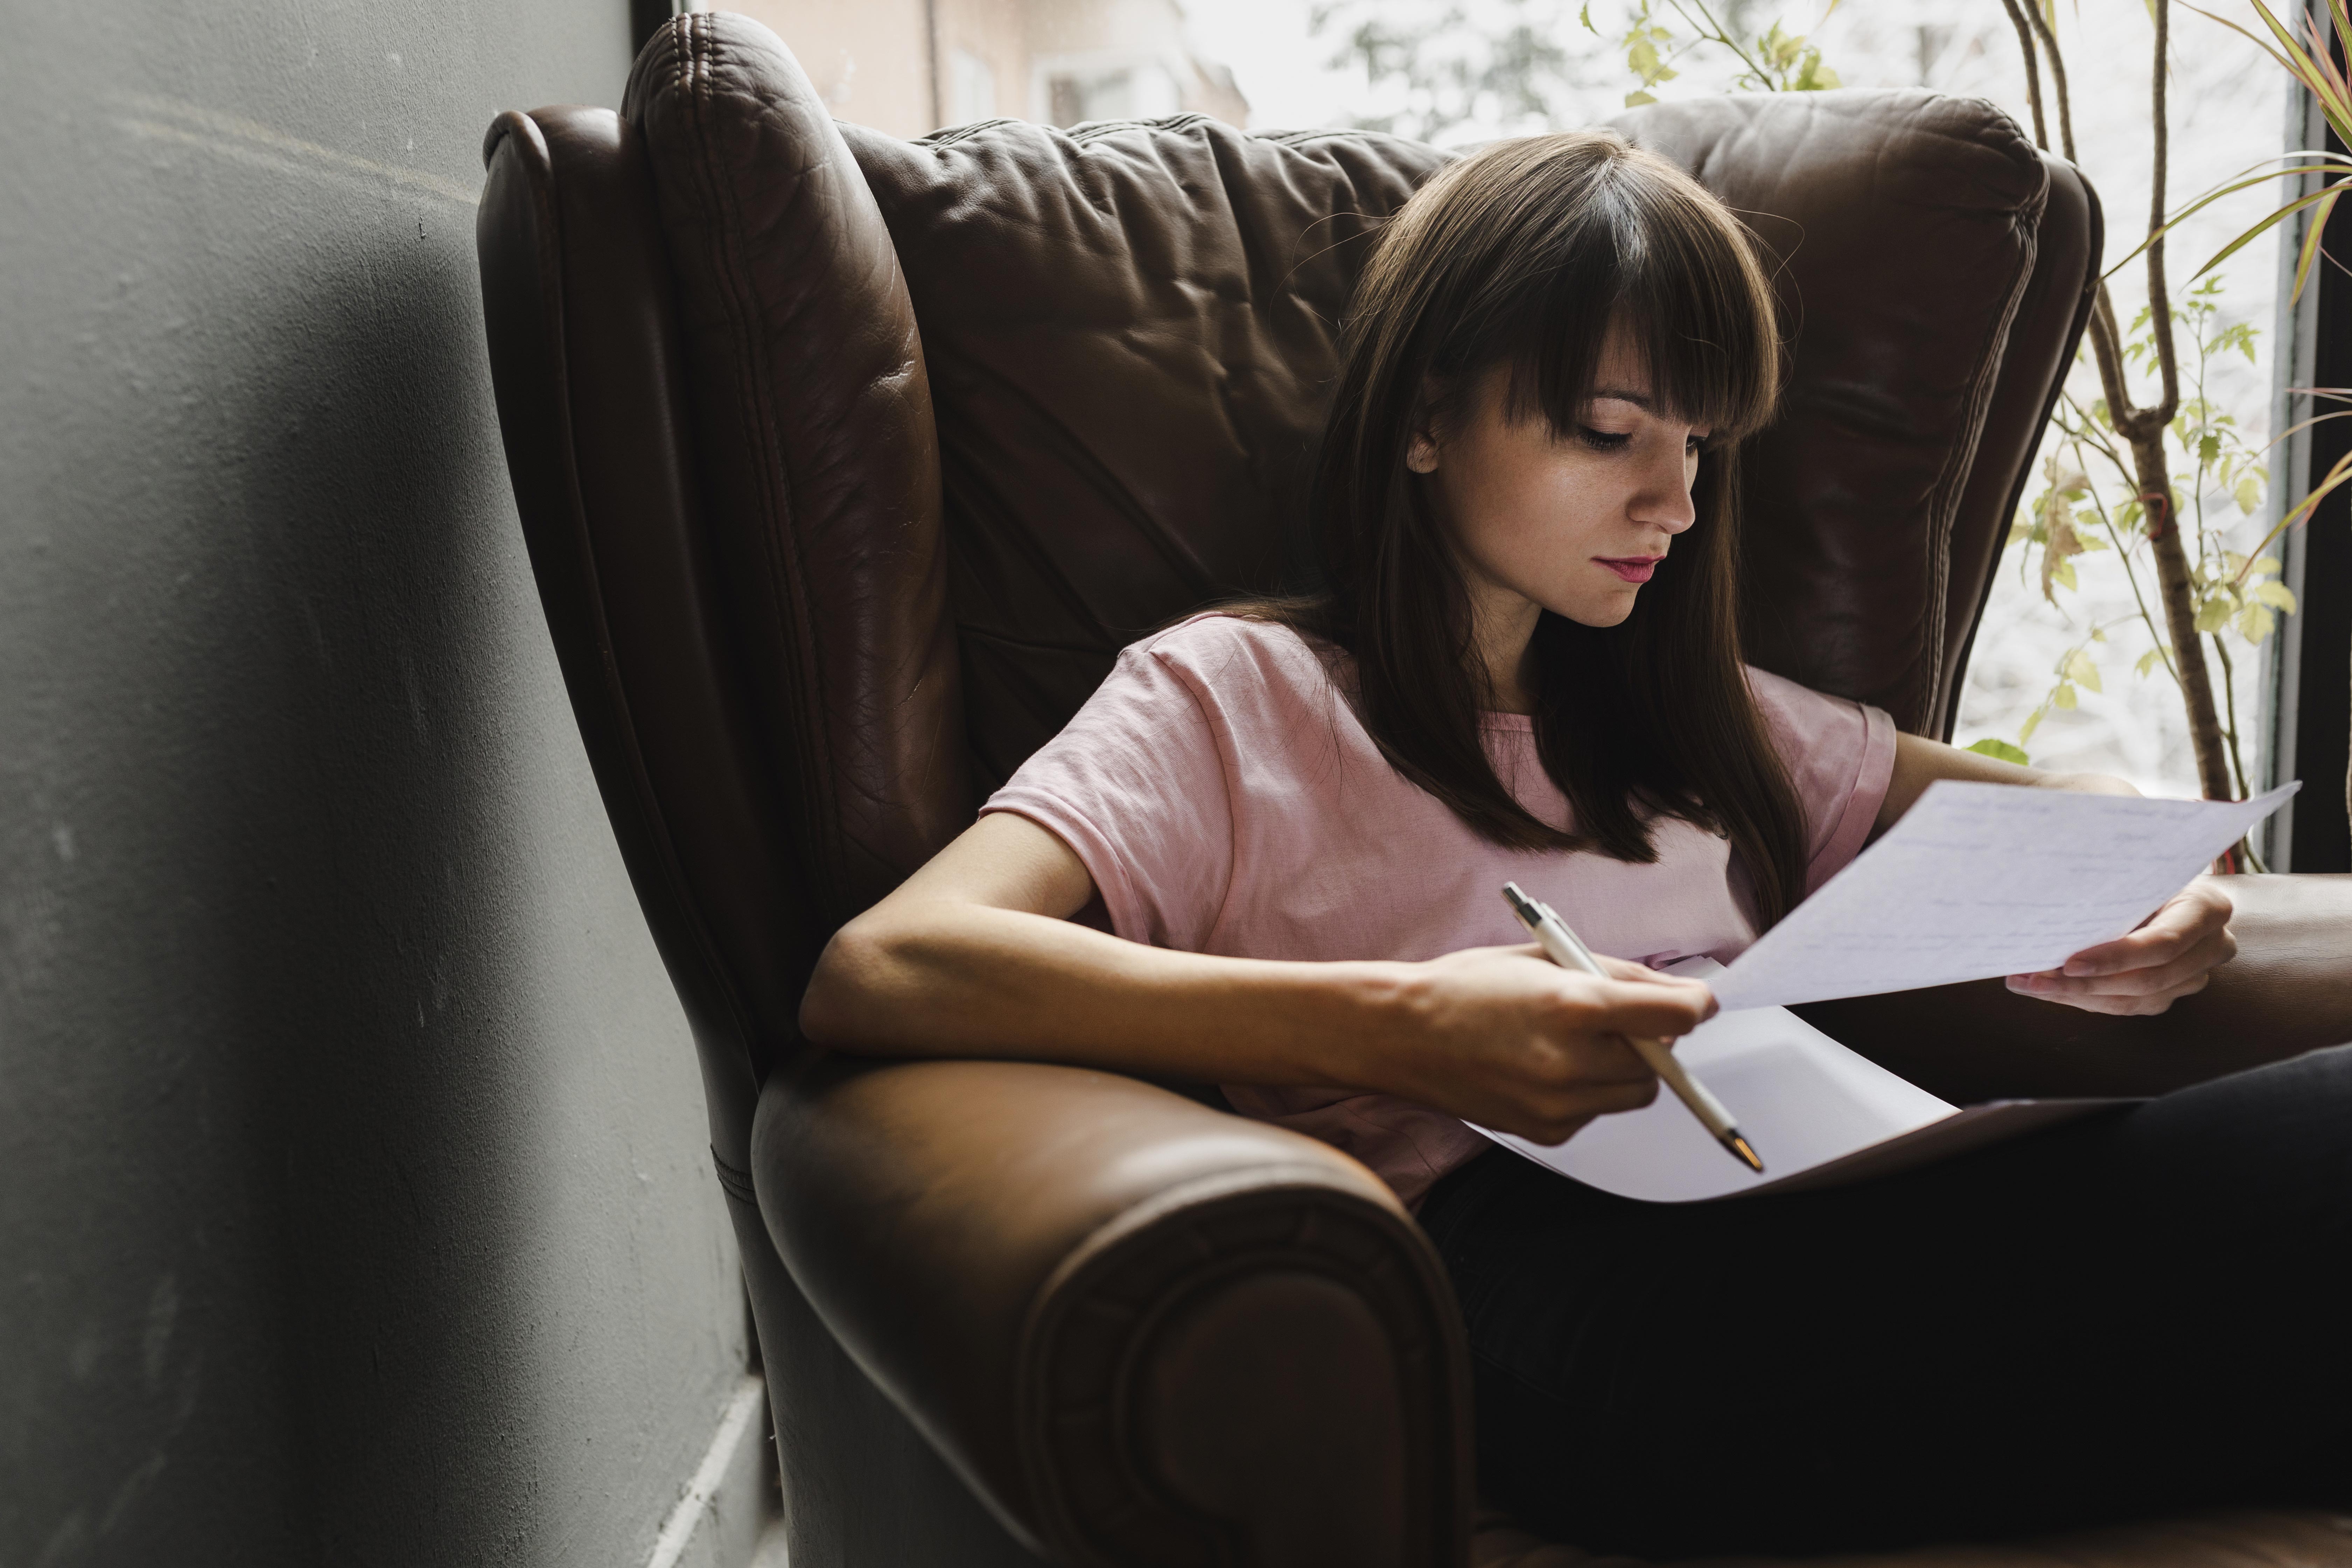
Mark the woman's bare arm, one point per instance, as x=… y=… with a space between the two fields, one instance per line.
x=975 y=955
x=1919 y=762
x=2172 y=954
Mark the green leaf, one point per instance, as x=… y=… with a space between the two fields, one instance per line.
x=2213 y=613
x=2254 y=623
x=2324 y=200
x=2148 y=661
x=1585 y=16
x=2033 y=722
x=2249 y=495
x=2263 y=564
x=2001 y=751
x=2277 y=594
x=2064 y=697
x=2208 y=448
x=1635 y=100
x=2063 y=573
x=2315 y=231
x=2080 y=668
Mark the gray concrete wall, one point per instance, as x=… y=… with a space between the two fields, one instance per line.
x=354 y=1205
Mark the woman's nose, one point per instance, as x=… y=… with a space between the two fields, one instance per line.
x=1666 y=502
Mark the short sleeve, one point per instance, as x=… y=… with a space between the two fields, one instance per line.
x=1839 y=756
x=1136 y=785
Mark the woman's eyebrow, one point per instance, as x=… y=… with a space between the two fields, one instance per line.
x=1640 y=400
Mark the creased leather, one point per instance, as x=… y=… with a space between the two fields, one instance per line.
x=1044 y=1267
x=1131 y=332
x=812 y=418
x=1126 y=439
x=575 y=301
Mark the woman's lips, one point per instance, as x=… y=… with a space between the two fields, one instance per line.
x=1632 y=568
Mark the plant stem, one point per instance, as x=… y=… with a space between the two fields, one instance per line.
x=2230 y=695
x=2123 y=553
x=2159 y=300
x=1716 y=33
x=2057 y=80
x=2032 y=73
x=2177 y=589
x=2143 y=429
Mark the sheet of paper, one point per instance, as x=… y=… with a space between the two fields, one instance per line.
x=1802 y=1099
x=1980 y=881
x=1817 y=1113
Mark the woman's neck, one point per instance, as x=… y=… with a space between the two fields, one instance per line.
x=1502 y=625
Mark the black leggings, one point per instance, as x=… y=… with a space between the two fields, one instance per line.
x=2143 y=1313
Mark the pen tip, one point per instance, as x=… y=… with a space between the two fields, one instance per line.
x=1739 y=1146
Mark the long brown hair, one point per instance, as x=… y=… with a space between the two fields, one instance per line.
x=1527 y=254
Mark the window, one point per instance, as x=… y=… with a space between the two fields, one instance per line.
x=971 y=87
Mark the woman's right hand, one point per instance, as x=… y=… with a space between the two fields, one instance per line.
x=1504 y=1038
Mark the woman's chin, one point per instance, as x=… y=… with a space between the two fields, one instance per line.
x=1599 y=611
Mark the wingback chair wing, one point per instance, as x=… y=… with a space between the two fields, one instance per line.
x=848 y=464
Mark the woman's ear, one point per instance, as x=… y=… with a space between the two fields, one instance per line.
x=1421 y=451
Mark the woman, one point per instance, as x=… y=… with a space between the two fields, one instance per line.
x=1296 y=815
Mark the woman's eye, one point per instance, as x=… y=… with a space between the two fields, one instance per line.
x=1604 y=440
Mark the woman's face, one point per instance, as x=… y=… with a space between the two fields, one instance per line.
x=1573 y=522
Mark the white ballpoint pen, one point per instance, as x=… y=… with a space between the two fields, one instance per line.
x=1564 y=947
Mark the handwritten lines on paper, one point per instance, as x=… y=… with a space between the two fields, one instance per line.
x=1980 y=881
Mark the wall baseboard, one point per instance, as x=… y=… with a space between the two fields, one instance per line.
x=728 y=1504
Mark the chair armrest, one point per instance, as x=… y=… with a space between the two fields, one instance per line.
x=2288 y=991
x=1140 y=1329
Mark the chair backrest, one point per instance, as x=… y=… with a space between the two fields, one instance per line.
x=848 y=464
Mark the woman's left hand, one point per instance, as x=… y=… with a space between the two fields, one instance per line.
x=2172 y=954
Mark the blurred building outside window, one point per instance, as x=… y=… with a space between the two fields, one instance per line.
x=911 y=67
x=972 y=89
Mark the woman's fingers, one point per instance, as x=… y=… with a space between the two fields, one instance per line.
x=2171 y=955
x=1664 y=1017
x=2136 y=991
x=2187 y=918
x=1557 y=1118
x=2134 y=1005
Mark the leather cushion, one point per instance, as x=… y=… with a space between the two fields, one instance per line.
x=1131 y=329
x=813 y=420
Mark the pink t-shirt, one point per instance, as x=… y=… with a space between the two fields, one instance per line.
x=1226 y=800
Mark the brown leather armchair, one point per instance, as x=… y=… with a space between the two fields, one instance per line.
x=847 y=464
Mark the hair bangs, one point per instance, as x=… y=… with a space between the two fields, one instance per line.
x=1677 y=275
